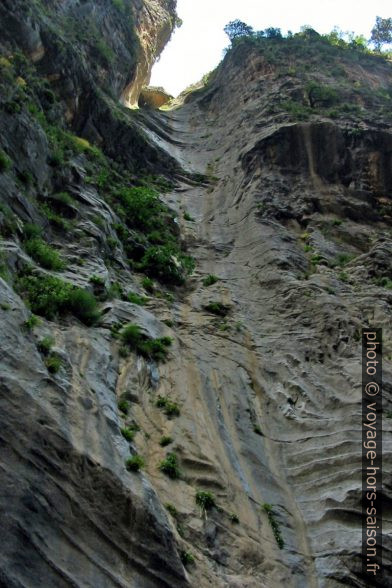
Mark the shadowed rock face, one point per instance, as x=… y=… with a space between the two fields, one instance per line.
x=294 y=218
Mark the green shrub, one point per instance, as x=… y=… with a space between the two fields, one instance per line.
x=119 y=4
x=321 y=95
x=148 y=285
x=166 y=264
x=128 y=433
x=123 y=406
x=97 y=280
x=316 y=258
x=155 y=349
x=343 y=277
x=172 y=510
x=165 y=441
x=5 y=161
x=53 y=363
x=32 y=322
x=44 y=254
x=217 y=308
x=187 y=558
x=343 y=259
x=136 y=299
x=188 y=217
x=144 y=210
x=45 y=345
x=384 y=282
x=134 y=463
x=234 y=518
x=268 y=508
x=49 y=296
x=169 y=407
x=54 y=218
x=210 y=280
x=206 y=500
x=30 y=231
x=83 y=305
x=169 y=466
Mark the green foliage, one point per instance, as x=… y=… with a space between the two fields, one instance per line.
x=32 y=322
x=321 y=95
x=342 y=259
x=217 y=308
x=45 y=345
x=343 y=277
x=169 y=407
x=148 y=285
x=169 y=466
x=44 y=254
x=50 y=297
x=143 y=208
x=105 y=52
x=165 y=441
x=268 y=508
x=167 y=264
x=382 y=32
x=187 y=558
x=136 y=299
x=53 y=363
x=5 y=161
x=134 y=463
x=298 y=110
x=96 y=280
x=31 y=231
x=210 y=280
x=257 y=430
x=172 y=510
x=236 y=29
x=155 y=349
x=206 y=500
x=234 y=518
x=123 y=406
x=188 y=217
x=54 y=218
x=384 y=282
x=119 y=4
x=128 y=433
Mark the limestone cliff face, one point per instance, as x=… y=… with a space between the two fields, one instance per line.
x=155 y=20
x=287 y=202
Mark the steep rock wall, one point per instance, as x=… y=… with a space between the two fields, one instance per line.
x=293 y=216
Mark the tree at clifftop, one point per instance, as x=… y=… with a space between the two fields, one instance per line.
x=382 y=32
x=236 y=29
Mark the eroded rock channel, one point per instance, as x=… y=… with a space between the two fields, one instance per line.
x=255 y=410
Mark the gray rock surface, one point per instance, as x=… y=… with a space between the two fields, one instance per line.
x=294 y=217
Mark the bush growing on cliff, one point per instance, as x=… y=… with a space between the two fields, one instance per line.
x=217 y=308
x=274 y=524
x=156 y=349
x=167 y=264
x=237 y=28
x=44 y=254
x=50 y=297
x=169 y=466
x=5 y=161
x=169 y=407
x=206 y=500
x=210 y=280
x=134 y=463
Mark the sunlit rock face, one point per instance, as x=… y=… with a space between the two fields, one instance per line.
x=154 y=20
x=286 y=209
x=154 y=97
